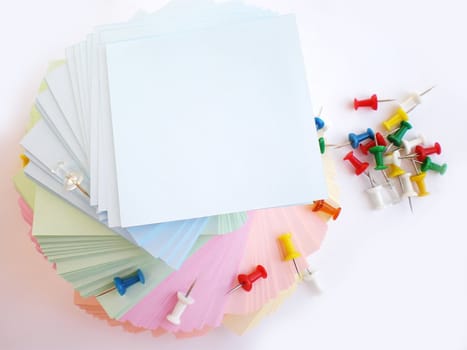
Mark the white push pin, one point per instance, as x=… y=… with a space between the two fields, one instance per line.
x=413 y=100
x=71 y=180
x=376 y=196
x=375 y=192
x=409 y=145
x=393 y=158
x=310 y=277
x=183 y=301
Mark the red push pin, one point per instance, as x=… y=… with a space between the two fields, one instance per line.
x=371 y=102
x=380 y=140
x=246 y=281
x=325 y=207
x=359 y=166
x=423 y=152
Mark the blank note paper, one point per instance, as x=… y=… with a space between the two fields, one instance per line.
x=211 y=122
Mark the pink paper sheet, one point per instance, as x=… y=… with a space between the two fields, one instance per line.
x=211 y=266
x=263 y=248
x=218 y=263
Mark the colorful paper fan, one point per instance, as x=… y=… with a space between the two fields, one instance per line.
x=135 y=276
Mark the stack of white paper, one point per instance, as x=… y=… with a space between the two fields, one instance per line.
x=176 y=124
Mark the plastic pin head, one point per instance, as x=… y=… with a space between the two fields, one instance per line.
x=71 y=179
x=371 y=102
x=323 y=206
x=183 y=301
x=356 y=139
x=246 y=281
x=395 y=119
x=319 y=123
x=395 y=171
x=310 y=276
x=396 y=138
x=322 y=145
x=378 y=141
x=378 y=152
x=393 y=158
x=288 y=247
x=423 y=152
x=376 y=196
x=358 y=165
x=24 y=160
x=407 y=186
x=419 y=180
x=122 y=284
x=428 y=164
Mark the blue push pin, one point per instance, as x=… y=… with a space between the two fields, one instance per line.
x=122 y=284
x=355 y=139
x=319 y=123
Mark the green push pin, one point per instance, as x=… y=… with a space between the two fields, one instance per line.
x=322 y=145
x=378 y=152
x=396 y=138
x=428 y=164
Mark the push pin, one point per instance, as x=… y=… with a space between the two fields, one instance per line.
x=323 y=206
x=395 y=170
x=407 y=188
x=419 y=180
x=183 y=301
x=395 y=119
x=409 y=145
x=396 y=137
x=356 y=139
x=375 y=192
x=310 y=277
x=319 y=123
x=71 y=180
x=321 y=126
x=358 y=165
x=322 y=145
x=24 y=160
x=379 y=140
x=122 y=284
x=246 y=281
x=423 y=152
x=288 y=248
x=393 y=158
x=406 y=107
x=378 y=152
x=428 y=164
x=371 y=102
x=414 y=100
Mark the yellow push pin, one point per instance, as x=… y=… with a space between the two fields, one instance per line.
x=289 y=251
x=24 y=160
x=395 y=171
x=395 y=119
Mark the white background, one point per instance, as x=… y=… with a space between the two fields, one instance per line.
x=392 y=280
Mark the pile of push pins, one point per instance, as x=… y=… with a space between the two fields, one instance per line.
x=404 y=163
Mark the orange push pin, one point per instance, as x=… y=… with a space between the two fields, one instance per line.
x=325 y=207
x=288 y=248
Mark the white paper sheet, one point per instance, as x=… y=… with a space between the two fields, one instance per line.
x=218 y=121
